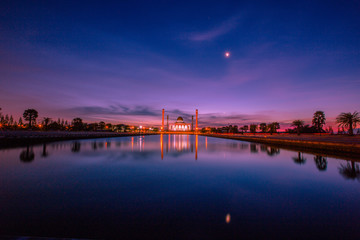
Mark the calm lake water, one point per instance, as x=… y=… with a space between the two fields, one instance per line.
x=176 y=187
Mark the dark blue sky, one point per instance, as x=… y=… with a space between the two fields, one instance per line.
x=124 y=61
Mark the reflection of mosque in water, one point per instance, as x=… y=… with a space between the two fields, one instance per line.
x=178 y=143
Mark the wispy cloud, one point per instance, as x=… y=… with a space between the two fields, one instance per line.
x=115 y=110
x=215 y=32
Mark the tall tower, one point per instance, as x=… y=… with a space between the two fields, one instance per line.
x=162 y=124
x=167 y=123
x=192 y=123
x=197 y=127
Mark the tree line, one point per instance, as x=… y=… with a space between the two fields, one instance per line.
x=346 y=122
x=29 y=120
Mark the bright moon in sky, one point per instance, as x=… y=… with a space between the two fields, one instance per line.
x=227 y=54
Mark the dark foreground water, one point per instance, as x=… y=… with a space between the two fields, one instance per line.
x=176 y=187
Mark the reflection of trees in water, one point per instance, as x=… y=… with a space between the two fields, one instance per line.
x=244 y=146
x=272 y=151
x=350 y=171
x=27 y=155
x=263 y=148
x=253 y=148
x=101 y=144
x=299 y=159
x=94 y=146
x=76 y=147
x=44 y=152
x=321 y=162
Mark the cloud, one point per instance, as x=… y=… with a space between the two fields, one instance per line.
x=218 y=31
x=115 y=110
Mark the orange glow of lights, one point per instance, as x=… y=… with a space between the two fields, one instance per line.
x=228 y=218
x=227 y=54
x=40 y=125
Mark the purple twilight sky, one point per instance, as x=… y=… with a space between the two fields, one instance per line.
x=123 y=61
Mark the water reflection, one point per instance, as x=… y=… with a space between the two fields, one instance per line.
x=299 y=159
x=321 y=162
x=127 y=176
x=175 y=146
x=76 y=147
x=44 y=152
x=350 y=170
x=27 y=155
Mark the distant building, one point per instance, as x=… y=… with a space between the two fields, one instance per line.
x=180 y=125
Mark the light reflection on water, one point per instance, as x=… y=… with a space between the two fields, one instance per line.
x=175 y=184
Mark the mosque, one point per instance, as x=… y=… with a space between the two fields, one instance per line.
x=179 y=125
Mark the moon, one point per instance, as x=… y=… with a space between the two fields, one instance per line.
x=227 y=54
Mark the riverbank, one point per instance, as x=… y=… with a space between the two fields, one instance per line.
x=9 y=139
x=338 y=146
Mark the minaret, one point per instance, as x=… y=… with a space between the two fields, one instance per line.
x=162 y=124
x=167 y=123
x=192 y=123
x=197 y=120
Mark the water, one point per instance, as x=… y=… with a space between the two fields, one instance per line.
x=176 y=187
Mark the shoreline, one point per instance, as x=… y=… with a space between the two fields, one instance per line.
x=330 y=146
x=25 y=138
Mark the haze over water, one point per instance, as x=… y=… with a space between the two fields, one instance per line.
x=175 y=186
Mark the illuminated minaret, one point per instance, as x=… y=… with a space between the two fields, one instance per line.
x=162 y=124
x=167 y=123
x=197 y=120
x=192 y=123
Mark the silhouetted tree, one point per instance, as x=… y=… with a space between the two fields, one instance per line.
x=321 y=162
x=319 y=120
x=102 y=125
x=27 y=155
x=11 y=120
x=253 y=128
x=299 y=159
x=298 y=124
x=273 y=127
x=77 y=124
x=20 y=121
x=245 y=128
x=30 y=115
x=46 y=122
x=348 y=120
x=263 y=127
x=350 y=171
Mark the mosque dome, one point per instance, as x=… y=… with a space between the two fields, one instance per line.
x=180 y=120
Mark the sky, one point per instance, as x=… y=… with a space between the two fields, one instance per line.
x=124 y=61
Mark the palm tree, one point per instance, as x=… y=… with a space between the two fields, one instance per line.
x=298 y=124
x=350 y=171
x=299 y=159
x=348 y=120
x=319 y=120
x=30 y=115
